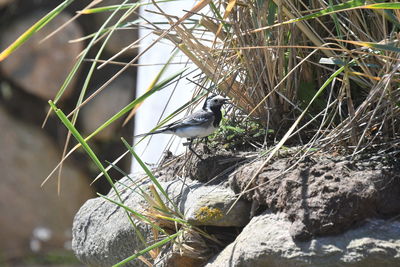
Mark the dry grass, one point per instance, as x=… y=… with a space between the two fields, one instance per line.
x=279 y=67
x=331 y=81
x=272 y=73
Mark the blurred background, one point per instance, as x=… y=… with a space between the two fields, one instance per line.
x=35 y=223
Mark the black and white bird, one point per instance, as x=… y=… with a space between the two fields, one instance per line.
x=198 y=124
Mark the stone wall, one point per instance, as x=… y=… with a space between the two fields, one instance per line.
x=35 y=220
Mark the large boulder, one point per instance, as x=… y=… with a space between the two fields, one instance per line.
x=103 y=234
x=106 y=104
x=38 y=67
x=34 y=218
x=322 y=195
x=266 y=242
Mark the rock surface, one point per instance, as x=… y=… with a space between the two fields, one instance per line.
x=36 y=218
x=101 y=108
x=41 y=68
x=266 y=242
x=208 y=205
x=103 y=236
x=323 y=195
x=121 y=37
x=102 y=233
x=169 y=257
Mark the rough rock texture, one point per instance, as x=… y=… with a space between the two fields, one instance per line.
x=102 y=234
x=169 y=257
x=34 y=218
x=106 y=104
x=266 y=242
x=207 y=205
x=41 y=68
x=322 y=195
x=213 y=169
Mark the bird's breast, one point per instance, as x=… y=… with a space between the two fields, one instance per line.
x=195 y=131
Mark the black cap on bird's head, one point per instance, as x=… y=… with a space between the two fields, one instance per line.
x=214 y=101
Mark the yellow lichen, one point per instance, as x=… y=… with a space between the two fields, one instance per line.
x=205 y=214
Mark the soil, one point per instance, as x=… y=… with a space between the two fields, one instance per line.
x=321 y=195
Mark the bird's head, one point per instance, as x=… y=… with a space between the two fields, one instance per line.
x=215 y=102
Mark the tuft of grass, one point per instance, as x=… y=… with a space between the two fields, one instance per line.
x=34 y=29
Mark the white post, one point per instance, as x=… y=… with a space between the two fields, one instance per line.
x=150 y=112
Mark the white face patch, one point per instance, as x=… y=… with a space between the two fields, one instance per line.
x=216 y=101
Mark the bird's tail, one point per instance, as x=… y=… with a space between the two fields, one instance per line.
x=149 y=133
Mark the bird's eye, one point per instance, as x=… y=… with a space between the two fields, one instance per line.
x=215 y=100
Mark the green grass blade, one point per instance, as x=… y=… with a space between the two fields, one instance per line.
x=335 y=20
x=137 y=101
x=376 y=46
x=153 y=83
x=119 y=7
x=217 y=14
x=75 y=68
x=83 y=143
x=33 y=29
x=173 y=219
x=150 y=174
x=354 y=4
x=144 y=251
x=93 y=65
x=92 y=155
x=107 y=29
x=383 y=6
x=135 y=213
x=331 y=9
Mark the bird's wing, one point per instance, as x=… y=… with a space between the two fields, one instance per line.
x=197 y=118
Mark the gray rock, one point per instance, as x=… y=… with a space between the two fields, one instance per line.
x=170 y=257
x=103 y=235
x=323 y=195
x=41 y=68
x=106 y=104
x=208 y=205
x=35 y=219
x=266 y=241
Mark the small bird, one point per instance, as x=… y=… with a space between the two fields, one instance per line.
x=198 y=124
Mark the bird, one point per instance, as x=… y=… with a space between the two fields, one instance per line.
x=199 y=124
